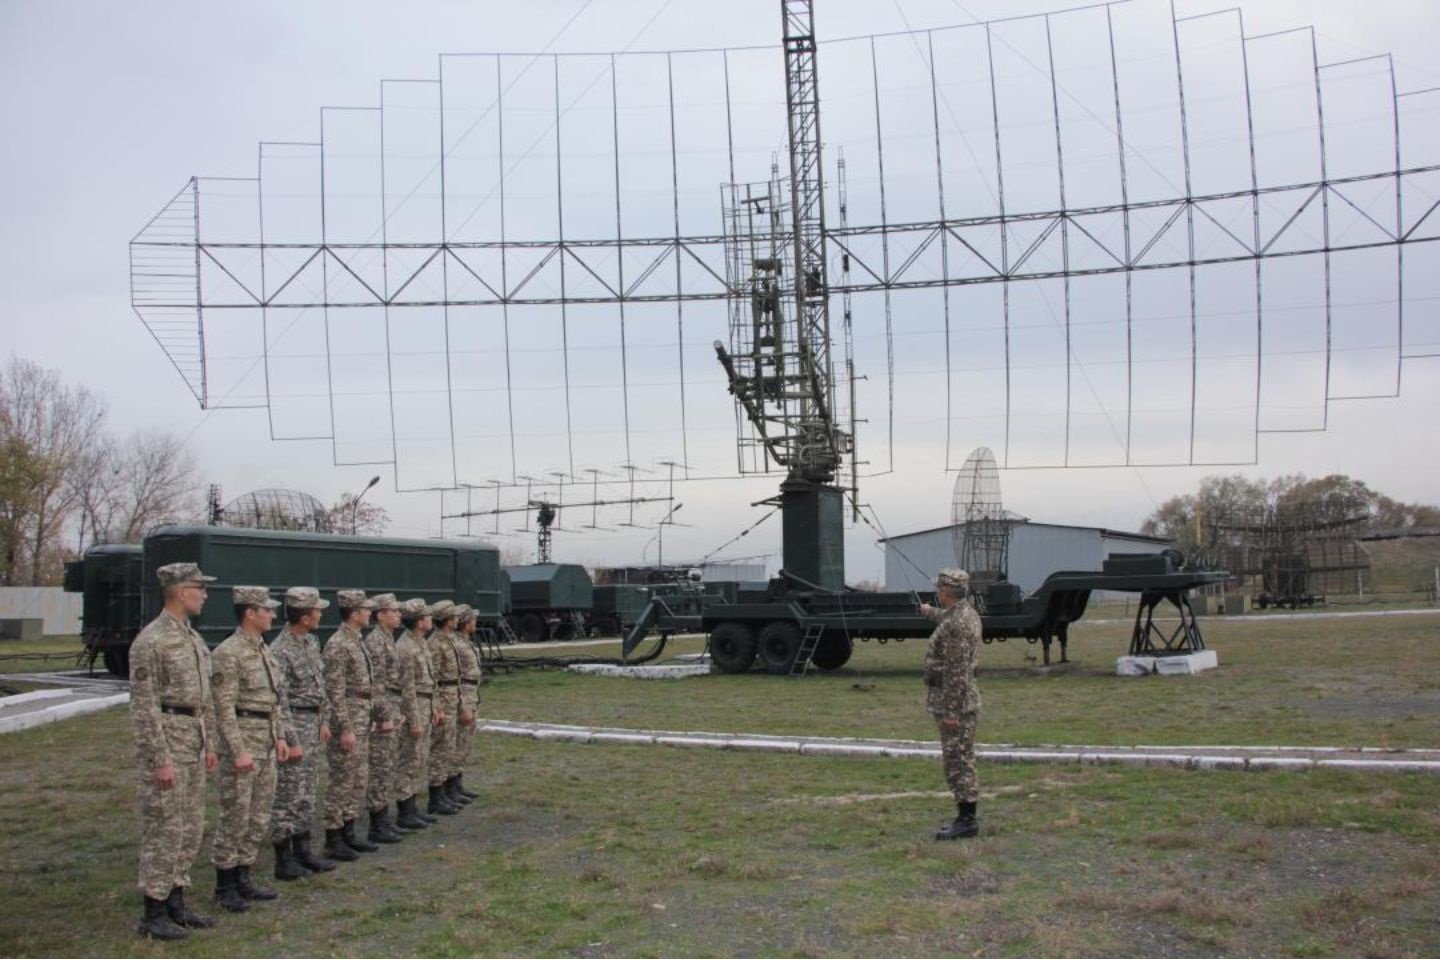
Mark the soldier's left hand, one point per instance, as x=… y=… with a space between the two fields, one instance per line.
x=282 y=751
x=324 y=733
x=297 y=753
x=347 y=741
x=467 y=719
x=437 y=719
x=950 y=724
x=387 y=726
x=212 y=762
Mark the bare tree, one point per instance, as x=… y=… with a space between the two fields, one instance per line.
x=361 y=519
x=55 y=427
x=157 y=483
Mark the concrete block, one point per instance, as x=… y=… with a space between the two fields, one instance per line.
x=1134 y=666
x=778 y=746
x=626 y=738
x=1189 y=663
x=841 y=750
x=22 y=628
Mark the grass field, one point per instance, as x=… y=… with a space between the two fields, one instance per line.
x=583 y=850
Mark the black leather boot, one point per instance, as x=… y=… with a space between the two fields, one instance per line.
x=438 y=803
x=183 y=915
x=336 y=848
x=354 y=842
x=380 y=830
x=300 y=843
x=226 y=892
x=286 y=866
x=409 y=819
x=157 y=924
x=967 y=824
x=460 y=785
x=453 y=794
x=247 y=888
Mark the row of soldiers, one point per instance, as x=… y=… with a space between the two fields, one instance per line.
x=393 y=708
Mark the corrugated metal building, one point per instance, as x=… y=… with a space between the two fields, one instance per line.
x=59 y=610
x=1036 y=551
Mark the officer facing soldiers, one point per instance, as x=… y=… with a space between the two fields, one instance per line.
x=175 y=744
x=466 y=620
x=445 y=665
x=302 y=673
x=951 y=695
x=350 y=687
x=380 y=645
x=250 y=715
x=417 y=686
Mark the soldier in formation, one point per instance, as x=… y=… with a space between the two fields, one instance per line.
x=380 y=790
x=354 y=709
x=951 y=695
x=175 y=744
x=251 y=718
x=470 y=677
x=302 y=670
x=417 y=696
x=445 y=666
x=257 y=716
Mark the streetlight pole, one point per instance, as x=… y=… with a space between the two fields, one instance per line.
x=355 y=504
x=660 y=535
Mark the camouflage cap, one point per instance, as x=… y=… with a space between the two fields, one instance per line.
x=462 y=611
x=385 y=601
x=254 y=597
x=952 y=578
x=305 y=598
x=353 y=600
x=442 y=609
x=414 y=607
x=177 y=573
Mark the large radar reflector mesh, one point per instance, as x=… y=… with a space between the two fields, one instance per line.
x=979 y=522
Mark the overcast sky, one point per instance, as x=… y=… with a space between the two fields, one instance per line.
x=108 y=109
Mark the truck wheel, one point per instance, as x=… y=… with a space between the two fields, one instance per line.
x=732 y=647
x=112 y=662
x=563 y=630
x=532 y=628
x=833 y=652
x=779 y=642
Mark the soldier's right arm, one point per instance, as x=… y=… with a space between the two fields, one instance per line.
x=409 y=702
x=334 y=660
x=280 y=653
x=225 y=689
x=145 y=680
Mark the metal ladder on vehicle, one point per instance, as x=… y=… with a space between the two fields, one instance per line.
x=504 y=632
x=808 y=643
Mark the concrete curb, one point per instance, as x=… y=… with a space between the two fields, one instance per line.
x=1199 y=758
x=61 y=711
x=17 y=699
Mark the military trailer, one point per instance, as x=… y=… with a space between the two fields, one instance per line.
x=432 y=569
x=794 y=624
x=549 y=601
x=109 y=577
x=616 y=608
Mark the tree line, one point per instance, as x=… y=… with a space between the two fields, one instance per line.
x=67 y=481
x=1335 y=500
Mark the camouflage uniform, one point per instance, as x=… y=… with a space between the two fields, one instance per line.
x=470 y=676
x=302 y=673
x=349 y=684
x=951 y=692
x=251 y=716
x=417 y=685
x=171 y=710
x=380 y=645
x=445 y=665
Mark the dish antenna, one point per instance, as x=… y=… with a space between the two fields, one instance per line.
x=980 y=524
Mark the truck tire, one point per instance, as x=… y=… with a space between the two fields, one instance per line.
x=779 y=642
x=732 y=647
x=833 y=652
x=563 y=630
x=532 y=628
x=112 y=662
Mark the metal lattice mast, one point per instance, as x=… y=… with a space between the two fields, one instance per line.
x=820 y=450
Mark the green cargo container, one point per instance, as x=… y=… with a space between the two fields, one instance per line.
x=431 y=569
x=616 y=608
x=549 y=601
x=110 y=579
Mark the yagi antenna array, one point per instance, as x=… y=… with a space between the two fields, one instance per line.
x=1044 y=234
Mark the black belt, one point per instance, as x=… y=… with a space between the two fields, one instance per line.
x=182 y=711
x=253 y=714
x=395 y=690
x=447 y=683
x=471 y=683
x=301 y=709
x=358 y=694
x=423 y=693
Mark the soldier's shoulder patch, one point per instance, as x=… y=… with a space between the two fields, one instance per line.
x=140 y=674
x=217 y=676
